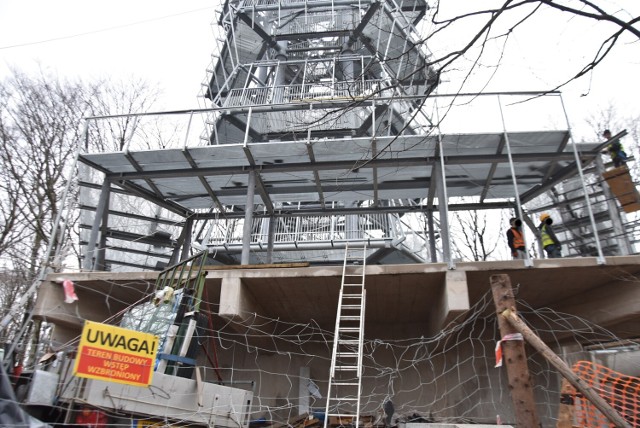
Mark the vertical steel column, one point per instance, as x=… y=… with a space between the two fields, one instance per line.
x=90 y=253
x=100 y=263
x=600 y=259
x=187 y=231
x=248 y=219
x=270 y=238
x=443 y=199
x=279 y=81
x=181 y=251
x=443 y=208
x=527 y=259
x=433 y=252
x=186 y=135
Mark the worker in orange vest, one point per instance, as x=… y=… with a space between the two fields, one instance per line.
x=515 y=239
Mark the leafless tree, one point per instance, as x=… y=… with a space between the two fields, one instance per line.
x=477 y=23
x=41 y=126
x=121 y=99
x=476 y=234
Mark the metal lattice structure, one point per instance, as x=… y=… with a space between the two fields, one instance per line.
x=323 y=126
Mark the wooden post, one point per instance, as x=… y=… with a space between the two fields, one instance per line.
x=514 y=356
x=566 y=407
x=609 y=412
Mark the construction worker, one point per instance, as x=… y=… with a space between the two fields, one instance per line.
x=615 y=150
x=515 y=239
x=550 y=241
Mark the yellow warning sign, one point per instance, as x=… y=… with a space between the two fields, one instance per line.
x=115 y=354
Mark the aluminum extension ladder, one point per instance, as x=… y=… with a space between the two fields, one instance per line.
x=345 y=377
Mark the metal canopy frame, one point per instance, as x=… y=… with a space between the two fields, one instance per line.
x=189 y=181
x=325 y=113
x=340 y=177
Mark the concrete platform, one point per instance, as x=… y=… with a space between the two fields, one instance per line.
x=401 y=299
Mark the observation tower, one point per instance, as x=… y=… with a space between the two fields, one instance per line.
x=324 y=128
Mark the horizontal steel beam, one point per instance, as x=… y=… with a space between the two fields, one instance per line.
x=346 y=165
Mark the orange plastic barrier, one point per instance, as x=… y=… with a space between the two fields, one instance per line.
x=622 y=392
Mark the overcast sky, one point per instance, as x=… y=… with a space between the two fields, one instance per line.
x=162 y=41
x=170 y=43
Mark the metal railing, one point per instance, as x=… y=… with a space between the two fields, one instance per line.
x=294 y=229
x=308 y=92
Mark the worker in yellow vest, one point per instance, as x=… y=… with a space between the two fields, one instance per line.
x=550 y=241
x=515 y=240
x=615 y=150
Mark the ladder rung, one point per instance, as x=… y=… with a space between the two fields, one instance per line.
x=342 y=415
x=347 y=349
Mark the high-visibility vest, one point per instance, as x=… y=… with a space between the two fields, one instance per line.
x=615 y=149
x=518 y=240
x=546 y=238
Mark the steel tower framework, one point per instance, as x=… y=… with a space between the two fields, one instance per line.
x=320 y=129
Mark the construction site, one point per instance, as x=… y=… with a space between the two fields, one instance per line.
x=287 y=259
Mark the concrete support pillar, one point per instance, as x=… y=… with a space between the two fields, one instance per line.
x=452 y=301
x=236 y=303
x=248 y=219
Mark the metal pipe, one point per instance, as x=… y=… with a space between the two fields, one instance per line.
x=527 y=259
x=248 y=219
x=600 y=258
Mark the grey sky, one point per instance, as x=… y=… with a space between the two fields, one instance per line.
x=170 y=43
